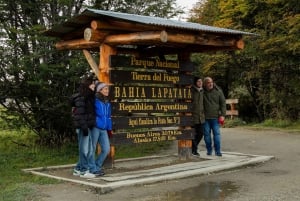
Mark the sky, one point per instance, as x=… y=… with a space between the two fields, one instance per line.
x=187 y=4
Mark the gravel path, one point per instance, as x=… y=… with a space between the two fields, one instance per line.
x=275 y=180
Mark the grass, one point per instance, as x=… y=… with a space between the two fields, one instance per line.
x=267 y=124
x=18 y=151
x=278 y=124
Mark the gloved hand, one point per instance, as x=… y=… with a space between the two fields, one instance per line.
x=109 y=133
x=85 y=131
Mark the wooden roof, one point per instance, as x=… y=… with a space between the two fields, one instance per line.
x=128 y=32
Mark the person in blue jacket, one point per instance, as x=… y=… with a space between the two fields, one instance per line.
x=101 y=131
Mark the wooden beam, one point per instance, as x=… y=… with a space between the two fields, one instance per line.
x=105 y=52
x=94 y=35
x=73 y=35
x=92 y=62
x=77 y=44
x=240 y=44
x=201 y=40
x=159 y=37
x=139 y=37
x=120 y=25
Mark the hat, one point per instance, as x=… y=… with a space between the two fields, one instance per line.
x=100 y=85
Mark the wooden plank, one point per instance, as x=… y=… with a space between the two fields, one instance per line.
x=232 y=101
x=151 y=121
x=150 y=92
x=125 y=108
x=122 y=76
x=138 y=137
x=232 y=112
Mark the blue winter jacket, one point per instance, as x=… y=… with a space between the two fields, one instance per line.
x=103 y=115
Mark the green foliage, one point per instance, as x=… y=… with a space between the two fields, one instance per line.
x=157 y=8
x=36 y=80
x=268 y=68
x=18 y=151
x=235 y=122
x=279 y=123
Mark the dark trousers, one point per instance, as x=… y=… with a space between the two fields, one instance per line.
x=199 y=130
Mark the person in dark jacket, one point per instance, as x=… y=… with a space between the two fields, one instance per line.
x=198 y=114
x=215 y=111
x=84 y=120
x=103 y=128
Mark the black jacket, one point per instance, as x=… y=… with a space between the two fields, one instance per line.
x=83 y=111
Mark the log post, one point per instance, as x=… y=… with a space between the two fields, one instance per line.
x=105 y=52
x=92 y=62
x=184 y=149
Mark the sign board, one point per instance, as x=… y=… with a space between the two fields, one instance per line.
x=151 y=99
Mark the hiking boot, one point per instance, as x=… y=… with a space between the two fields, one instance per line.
x=87 y=175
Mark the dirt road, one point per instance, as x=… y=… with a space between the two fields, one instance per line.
x=278 y=179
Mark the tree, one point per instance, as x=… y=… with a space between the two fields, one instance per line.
x=157 y=8
x=36 y=80
x=269 y=65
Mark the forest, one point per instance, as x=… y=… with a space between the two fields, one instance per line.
x=36 y=80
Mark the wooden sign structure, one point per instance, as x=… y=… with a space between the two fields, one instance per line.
x=150 y=106
x=139 y=37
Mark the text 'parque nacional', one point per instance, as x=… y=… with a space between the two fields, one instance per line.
x=154 y=63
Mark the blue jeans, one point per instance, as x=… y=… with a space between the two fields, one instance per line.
x=212 y=125
x=99 y=136
x=84 y=147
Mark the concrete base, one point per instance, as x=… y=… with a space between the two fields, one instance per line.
x=152 y=169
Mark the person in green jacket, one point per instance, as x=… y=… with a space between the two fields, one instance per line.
x=198 y=114
x=215 y=111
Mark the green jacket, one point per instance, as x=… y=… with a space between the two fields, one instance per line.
x=214 y=103
x=197 y=106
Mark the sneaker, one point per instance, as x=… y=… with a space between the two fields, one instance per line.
x=76 y=172
x=87 y=175
x=196 y=154
x=99 y=173
x=208 y=153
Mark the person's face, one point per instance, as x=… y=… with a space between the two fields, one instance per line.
x=92 y=86
x=209 y=85
x=104 y=91
x=199 y=83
